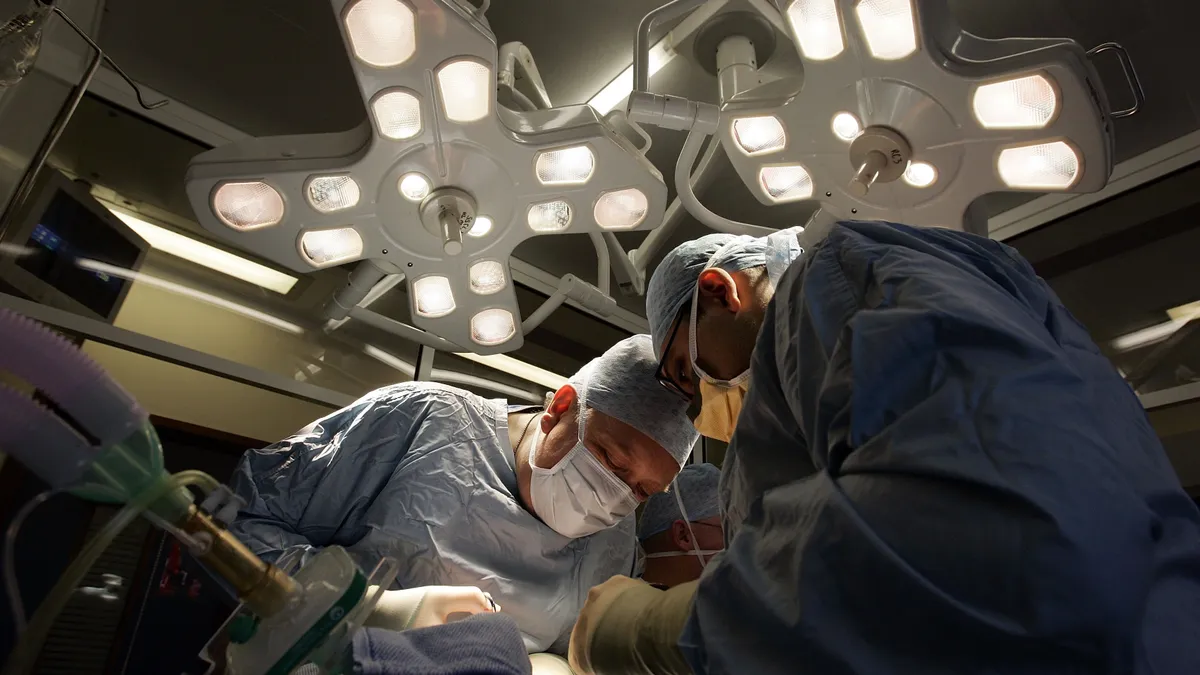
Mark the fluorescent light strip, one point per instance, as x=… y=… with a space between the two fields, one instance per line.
x=507 y=364
x=619 y=89
x=105 y=268
x=1180 y=316
x=211 y=257
x=450 y=376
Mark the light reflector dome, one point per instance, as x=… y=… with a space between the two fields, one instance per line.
x=480 y=227
x=817 y=28
x=327 y=194
x=888 y=27
x=382 y=33
x=414 y=186
x=434 y=296
x=786 y=183
x=398 y=114
x=248 y=206
x=920 y=174
x=1046 y=166
x=492 y=327
x=552 y=216
x=487 y=277
x=846 y=126
x=467 y=89
x=759 y=135
x=1028 y=102
x=621 y=209
x=568 y=166
x=330 y=247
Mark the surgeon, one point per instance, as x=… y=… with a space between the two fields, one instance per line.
x=932 y=469
x=680 y=530
x=526 y=508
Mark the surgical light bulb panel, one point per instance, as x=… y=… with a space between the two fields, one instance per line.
x=550 y=217
x=817 y=28
x=248 y=206
x=382 y=33
x=397 y=114
x=759 y=135
x=1045 y=166
x=493 y=327
x=487 y=277
x=467 y=88
x=433 y=296
x=621 y=209
x=888 y=27
x=325 y=248
x=567 y=166
x=1028 y=102
x=328 y=194
x=786 y=183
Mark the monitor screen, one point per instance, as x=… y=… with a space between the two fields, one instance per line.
x=67 y=231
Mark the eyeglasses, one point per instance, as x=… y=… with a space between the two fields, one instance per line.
x=661 y=373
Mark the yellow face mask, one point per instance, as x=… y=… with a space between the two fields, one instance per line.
x=719 y=409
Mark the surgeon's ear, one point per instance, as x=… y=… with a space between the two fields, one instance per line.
x=560 y=405
x=717 y=287
x=680 y=536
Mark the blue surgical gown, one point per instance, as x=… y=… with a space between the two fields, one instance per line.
x=936 y=471
x=424 y=473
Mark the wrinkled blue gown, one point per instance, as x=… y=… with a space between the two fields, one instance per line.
x=936 y=471
x=425 y=473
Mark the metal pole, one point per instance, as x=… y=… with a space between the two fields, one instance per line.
x=425 y=355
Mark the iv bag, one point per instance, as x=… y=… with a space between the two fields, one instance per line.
x=20 y=40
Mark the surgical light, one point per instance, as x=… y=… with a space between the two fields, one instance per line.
x=467 y=89
x=414 y=186
x=817 y=28
x=332 y=193
x=888 y=27
x=621 y=209
x=331 y=247
x=759 y=135
x=492 y=327
x=786 y=183
x=248 y=206
x=487 y=277
x=568 y=166
x=549 y=217
x=381 y=32
x=1045 y=166
x=434 y=296
x=398 y=114
x=920 y=174
x=480 y=227
x=846 y=126
x=1028 y=102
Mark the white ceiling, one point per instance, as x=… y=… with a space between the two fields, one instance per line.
x=278 y=67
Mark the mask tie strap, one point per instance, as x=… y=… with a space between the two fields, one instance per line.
x=687 y=521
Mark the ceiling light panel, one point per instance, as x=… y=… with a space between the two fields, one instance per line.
x=976 y=116
x=435 y=129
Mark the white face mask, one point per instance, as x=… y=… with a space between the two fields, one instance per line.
x=578 y=496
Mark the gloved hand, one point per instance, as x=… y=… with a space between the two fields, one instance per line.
x=427 y=606
x=629 y=627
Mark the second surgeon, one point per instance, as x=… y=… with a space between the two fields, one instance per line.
x=531 y=506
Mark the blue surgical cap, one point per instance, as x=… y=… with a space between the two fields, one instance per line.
x=675 y=278
x=697 y=485
x=620 y=383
